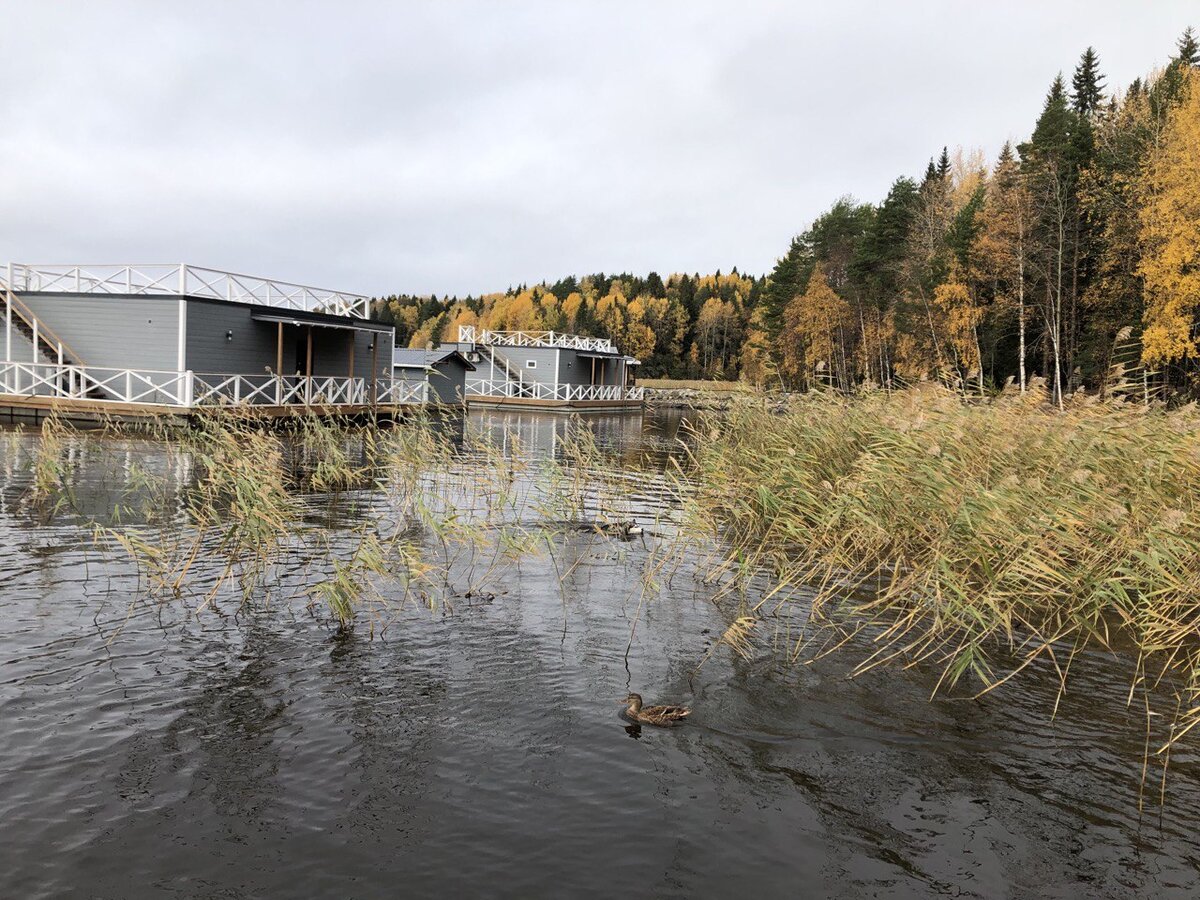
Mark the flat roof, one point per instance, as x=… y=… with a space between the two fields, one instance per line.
x=180 y=280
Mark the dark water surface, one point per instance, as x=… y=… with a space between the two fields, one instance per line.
x=477 y=750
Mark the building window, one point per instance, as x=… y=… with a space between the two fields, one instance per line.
x=531 y=363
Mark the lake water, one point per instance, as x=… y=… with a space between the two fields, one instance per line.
x=147 y=750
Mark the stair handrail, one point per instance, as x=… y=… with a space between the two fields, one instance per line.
x=28 y=317
x=506 y=365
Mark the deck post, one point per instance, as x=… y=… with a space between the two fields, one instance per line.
x=181 y=337
x=189 y=389
x=279 y=350
x=375 y=368
x=308 y=371
x=353 y=341
x=8 y=285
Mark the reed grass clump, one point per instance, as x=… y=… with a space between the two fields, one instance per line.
x=241 y=491
x=48 y=467
x=977 y=535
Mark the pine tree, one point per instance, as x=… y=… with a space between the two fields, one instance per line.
x=1087 y=85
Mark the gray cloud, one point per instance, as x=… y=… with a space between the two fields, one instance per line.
x=462 y=147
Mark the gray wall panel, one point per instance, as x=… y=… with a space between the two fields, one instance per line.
x=518 y=356
x=449 y=382
x=114 y=332
x=577 y=369
x=224 y=338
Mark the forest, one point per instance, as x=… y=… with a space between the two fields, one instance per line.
x=1073 y=254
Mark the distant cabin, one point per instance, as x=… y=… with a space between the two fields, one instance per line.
x=547 y=369
x=444 y=369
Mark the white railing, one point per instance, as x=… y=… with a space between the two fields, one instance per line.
x=195 y=389
x=565 y=393
x=91 y=383
x=182 y=280
x=298 y=390
x=401 y=392
x=468 y=334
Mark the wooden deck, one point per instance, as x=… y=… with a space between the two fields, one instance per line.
x=552 y=405
x=14 y=407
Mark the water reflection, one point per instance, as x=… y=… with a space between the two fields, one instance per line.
x=628 y=435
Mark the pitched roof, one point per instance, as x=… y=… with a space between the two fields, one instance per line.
x=404 y=358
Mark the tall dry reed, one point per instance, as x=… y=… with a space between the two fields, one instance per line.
x=977 y=536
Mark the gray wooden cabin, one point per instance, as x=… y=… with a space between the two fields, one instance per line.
x=160 y=336
x=445 y=370
x=547 y=369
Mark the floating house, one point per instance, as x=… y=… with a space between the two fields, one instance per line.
x=547 y=369
x=154 y=339
x=444 y=370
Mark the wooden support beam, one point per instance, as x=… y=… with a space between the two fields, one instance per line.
x=279 y=350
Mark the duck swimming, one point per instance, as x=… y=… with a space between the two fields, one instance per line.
x=663 y=716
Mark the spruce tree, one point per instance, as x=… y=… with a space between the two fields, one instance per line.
x=655 y=286
x=1189 y=52
x=1087 y=85
x=785 y=282
x=1052 y=158
x=943 y=169
x=879 y=257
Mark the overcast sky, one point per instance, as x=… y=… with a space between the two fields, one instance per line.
x=463 y=147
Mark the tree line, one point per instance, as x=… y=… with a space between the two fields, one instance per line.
x=688 y=326
x=1074 y=252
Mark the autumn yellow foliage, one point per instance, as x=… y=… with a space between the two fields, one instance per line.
x=1170 y=233
x=812 y=326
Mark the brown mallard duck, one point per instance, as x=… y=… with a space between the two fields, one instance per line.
x=663 y=716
